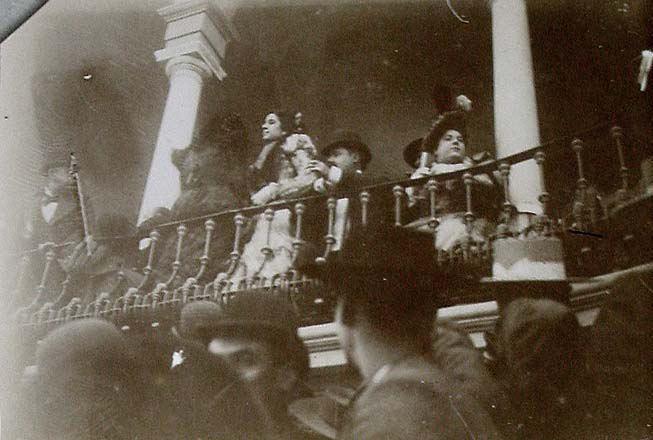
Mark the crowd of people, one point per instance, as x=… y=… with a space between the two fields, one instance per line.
x=288 y=166
x=240 y=370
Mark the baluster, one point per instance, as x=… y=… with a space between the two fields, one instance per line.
x=398 y=192
x=267 y=249
x=297 y=242
x=544 y=197
x=239 y=221
x=432 y=187
x=181 y=232
x=209 y=227
x=49 y=258
x=64 y=290
x=617 y=135
x=329 y=238
x=147 y=271
x=468 y=181
x=20 y=279
x=579 y=205
x=364 y=198
x=504 y=171
x=24 y=313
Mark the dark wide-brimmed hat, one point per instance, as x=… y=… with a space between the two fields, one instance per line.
x=263 y=317
x=453 y=120
x=390 y=256
x=351 y=141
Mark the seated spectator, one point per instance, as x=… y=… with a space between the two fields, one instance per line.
x=387 y=300
x=257 y=336
x=447 y=145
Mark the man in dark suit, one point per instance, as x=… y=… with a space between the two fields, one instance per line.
x=55 y=217
x=347 y=158
x=388 y=286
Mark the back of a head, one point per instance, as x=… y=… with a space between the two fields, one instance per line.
x=540 y=342
x=390 y=276
x=88 y=382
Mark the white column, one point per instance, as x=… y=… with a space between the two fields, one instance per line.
x=196 y=38
x=186 y=75
x=516 y=125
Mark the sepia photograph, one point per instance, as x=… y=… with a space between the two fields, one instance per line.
x=326 y=219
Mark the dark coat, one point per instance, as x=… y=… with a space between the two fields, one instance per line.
x=65 y=228
x=379 y=207
x=65 y=225
x=414 y=400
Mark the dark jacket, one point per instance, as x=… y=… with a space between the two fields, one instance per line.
x=415 y=400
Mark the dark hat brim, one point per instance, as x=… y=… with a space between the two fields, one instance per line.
x=358 y=146
x=281 y=337
x=505 y=291
x=412 y=152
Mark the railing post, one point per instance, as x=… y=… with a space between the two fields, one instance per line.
x=617 y=135
x=365 y=200
x=544 y=197
x=577 y=146
x=504 y=171
x=297 y=242
x=181 y=232
x=329 y=238
x=468 y=180
x=398 y=192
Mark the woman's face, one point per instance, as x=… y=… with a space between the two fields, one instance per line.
x=272 y=130
x=451 y=148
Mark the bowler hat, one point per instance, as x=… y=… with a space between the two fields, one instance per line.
x=351 y=141
x=261 y=316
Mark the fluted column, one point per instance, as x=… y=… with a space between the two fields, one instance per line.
x=516 y=123
x=196 y=38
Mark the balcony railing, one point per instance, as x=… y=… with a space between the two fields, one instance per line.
x=163 y=291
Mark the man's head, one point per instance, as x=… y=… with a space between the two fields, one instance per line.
x=347 y=152
x=257 y=335
x=389 y=288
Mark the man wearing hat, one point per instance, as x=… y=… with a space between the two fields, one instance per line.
x=55 y=216
x=346 y=159
x=388 y=287
x=256 y=334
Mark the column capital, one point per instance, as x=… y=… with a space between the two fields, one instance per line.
x=187 y=63
x=197 y=28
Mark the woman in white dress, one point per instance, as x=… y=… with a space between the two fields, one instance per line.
x=280 y=174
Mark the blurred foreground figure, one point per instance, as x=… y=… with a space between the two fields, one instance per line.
x=539 y=349
x=385 y=314
x=620 y=359
x=89 y=384
x=257 y=336
x=95 y=382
